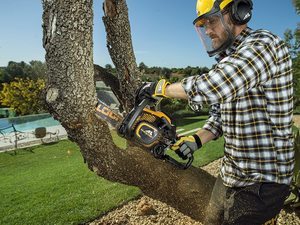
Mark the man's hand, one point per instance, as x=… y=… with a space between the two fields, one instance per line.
x=185 y=146
x=151 y=90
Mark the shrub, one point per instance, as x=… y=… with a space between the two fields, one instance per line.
x=23 y=95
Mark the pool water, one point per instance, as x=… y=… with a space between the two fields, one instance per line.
x=25 y=123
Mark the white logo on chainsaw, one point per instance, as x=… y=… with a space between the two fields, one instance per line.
x=148 y=133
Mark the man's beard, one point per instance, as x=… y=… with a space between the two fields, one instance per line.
x=218 y=40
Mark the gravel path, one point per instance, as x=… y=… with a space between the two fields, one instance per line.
x=147 y=211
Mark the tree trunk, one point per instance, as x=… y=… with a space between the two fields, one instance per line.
x=71 y=98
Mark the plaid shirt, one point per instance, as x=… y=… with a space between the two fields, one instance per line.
x=250 y=91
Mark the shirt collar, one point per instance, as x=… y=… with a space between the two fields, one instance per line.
x=237 y=41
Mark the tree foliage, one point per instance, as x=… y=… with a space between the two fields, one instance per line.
x=110 y=69
x=142 y=67
x=1 y=73
x=23 y=95
x=292 y=39
x=34 y=70
x=155 y=72
x=297 y=5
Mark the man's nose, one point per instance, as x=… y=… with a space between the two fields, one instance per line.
x=208 y=30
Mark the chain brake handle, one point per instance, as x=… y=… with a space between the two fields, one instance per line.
x=189 y=159
x=159 y=152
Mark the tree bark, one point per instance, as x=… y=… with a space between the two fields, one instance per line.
x=122 y=54
x=71 y=98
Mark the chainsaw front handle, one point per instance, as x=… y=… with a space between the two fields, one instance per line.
x=160 y=153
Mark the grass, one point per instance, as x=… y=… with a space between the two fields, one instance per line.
x=52 y=185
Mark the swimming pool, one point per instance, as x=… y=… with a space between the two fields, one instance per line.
x=26 y=123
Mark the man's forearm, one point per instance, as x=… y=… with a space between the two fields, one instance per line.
x=175 y=91
x=205 y=136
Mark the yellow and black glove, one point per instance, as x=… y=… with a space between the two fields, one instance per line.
x=154 y=90
x=185 y=146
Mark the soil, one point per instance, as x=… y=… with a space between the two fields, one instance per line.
x=147 y=211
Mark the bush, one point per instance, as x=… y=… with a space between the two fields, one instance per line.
x=23 y=95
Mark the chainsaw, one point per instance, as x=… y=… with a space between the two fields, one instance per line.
x=143 y=125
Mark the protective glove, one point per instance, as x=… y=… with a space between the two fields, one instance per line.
x=151 y=90
x=185 y=146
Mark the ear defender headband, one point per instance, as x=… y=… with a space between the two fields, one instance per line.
x=241 y=11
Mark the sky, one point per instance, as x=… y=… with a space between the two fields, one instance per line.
x=162 y=30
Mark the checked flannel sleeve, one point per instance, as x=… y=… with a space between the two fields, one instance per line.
x=214 y=122
x=250 y=65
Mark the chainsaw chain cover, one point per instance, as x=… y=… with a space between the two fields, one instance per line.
x=146 y=134
x=150 y=130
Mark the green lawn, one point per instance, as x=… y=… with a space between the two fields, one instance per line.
x=52 y=185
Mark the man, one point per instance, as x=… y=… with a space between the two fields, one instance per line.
x=250 y=93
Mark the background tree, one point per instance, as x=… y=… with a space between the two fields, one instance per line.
x=110 y=69
x=166 y=72
x=143 y=67
x=292 y=38
x=2 y=79
x=23 y=95
x=70 y=97
x=14 y=70
x=34 y=70
x=19 y=72
x=297 y=5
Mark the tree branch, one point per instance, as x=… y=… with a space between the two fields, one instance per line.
x=119 y=45
x=109 y=80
